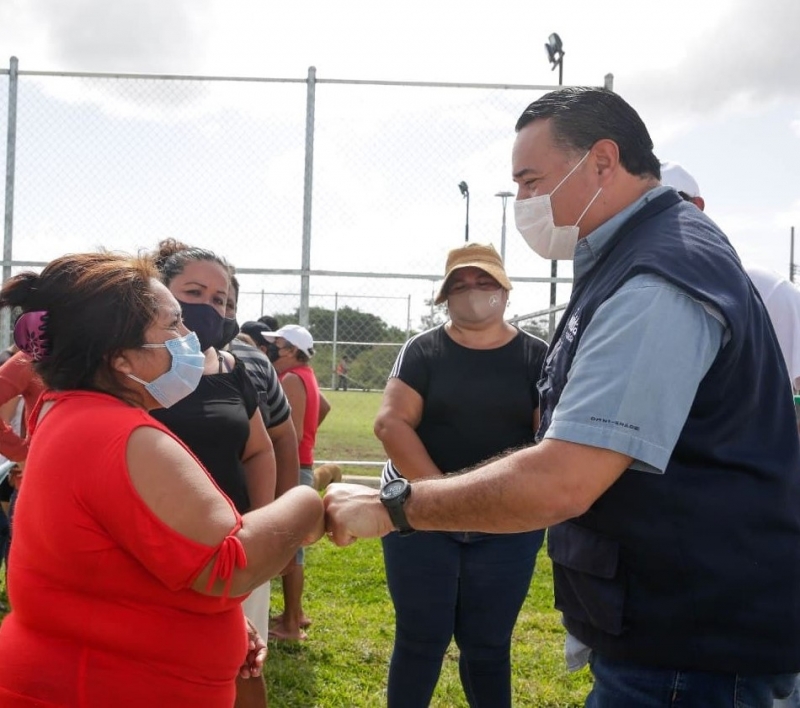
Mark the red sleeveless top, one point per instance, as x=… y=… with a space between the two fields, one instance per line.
x=103 y=613
x=311 y=419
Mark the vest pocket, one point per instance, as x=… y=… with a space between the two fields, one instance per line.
x=588 y=583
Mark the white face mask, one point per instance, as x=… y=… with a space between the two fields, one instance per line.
x=534 y=219
x=475 y=305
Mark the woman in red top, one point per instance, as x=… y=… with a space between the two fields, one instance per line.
x=137 y=597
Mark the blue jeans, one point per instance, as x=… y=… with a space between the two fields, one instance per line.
x=623 y=685
x=470 y=586
x=791 y=701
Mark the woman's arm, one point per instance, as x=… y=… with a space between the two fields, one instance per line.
x=161 y=471
x=324 y=408
x=395 y=426
x=287 y=461
x=258 y=460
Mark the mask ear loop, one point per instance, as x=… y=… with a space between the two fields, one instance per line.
x=588 y=206
x=569 y=174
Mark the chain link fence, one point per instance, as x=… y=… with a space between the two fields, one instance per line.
x=336 y=200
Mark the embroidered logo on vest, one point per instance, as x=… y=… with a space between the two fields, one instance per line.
x=572 y=326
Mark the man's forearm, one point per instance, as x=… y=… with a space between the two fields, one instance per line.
x=529 y=489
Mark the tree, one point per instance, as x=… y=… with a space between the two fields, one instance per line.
x=436 y=316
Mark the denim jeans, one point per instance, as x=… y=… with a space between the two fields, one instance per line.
x=467 y=586
x=624 y=685
x=792 y=701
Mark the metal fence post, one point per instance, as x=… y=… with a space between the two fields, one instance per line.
x=308 y=180
x=334 y=354
x=8 y=224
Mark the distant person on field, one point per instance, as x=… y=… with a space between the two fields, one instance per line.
x=341 y=374
x=290 y=349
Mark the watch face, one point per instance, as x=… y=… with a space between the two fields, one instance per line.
x=393 y=489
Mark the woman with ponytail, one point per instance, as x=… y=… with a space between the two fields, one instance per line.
x=129 y=564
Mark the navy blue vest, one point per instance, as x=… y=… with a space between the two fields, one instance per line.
x=699 y=567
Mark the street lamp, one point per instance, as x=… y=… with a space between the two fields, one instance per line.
x=465 y=193
x=504 y=196
x=555 y=53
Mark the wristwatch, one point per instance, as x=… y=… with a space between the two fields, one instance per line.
x=393 y=496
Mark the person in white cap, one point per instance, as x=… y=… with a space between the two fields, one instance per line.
x=779 y=294
x=673 y=175
x=290 y=350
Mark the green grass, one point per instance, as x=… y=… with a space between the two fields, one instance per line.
x=346 y=434
x=345 y=660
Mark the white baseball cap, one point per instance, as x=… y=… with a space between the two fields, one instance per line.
x=296 y=335
x=673 y=175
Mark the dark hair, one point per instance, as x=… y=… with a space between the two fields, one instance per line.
x=270 y=322
x=97 y=304
x=581 y=116
x=299 y=355
x=172 y=257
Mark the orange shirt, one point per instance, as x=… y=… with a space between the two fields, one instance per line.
x=103 y=613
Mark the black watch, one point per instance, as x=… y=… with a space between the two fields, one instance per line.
x=393 y=496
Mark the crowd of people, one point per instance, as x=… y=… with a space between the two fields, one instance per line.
x=168 y=459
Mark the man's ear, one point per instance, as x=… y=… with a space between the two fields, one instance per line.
x=699 y=202
x=606 y=159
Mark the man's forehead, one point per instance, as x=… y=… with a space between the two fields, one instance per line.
x=534 y=144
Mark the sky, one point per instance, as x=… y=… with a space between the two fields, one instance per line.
x=717 y=83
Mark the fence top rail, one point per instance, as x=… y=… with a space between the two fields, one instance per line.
x=327 y=273
x=265 y=79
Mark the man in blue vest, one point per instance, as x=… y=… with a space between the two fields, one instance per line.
x=668 y=467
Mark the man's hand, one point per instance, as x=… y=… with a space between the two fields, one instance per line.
x=354 y=511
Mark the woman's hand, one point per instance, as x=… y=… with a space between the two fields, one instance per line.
x=256 y=653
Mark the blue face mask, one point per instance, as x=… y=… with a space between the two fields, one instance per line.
x=183 y=376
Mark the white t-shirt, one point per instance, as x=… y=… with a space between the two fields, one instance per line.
x=782 y=300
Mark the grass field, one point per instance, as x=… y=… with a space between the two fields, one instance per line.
x=344 y=661
x=346 y=434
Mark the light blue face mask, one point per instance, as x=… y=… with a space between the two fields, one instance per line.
x=183 y=376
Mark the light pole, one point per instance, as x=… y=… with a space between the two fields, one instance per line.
x=465 y=193
x=504 y=196
x=555 y=53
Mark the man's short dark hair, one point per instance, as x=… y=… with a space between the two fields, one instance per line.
x=583 y=115
x=270 y=322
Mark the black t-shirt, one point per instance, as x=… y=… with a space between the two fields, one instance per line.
x=477 y=402
x=214 y=423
